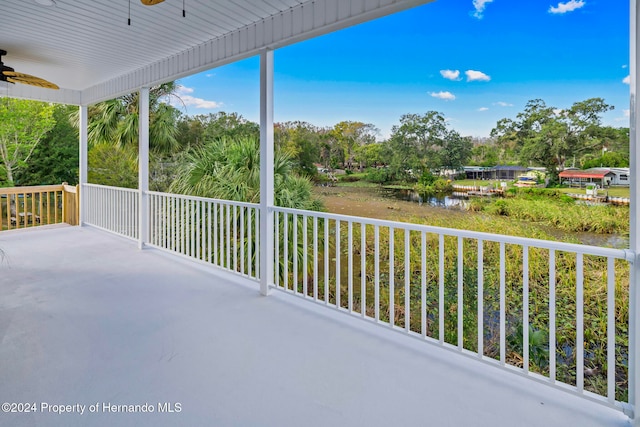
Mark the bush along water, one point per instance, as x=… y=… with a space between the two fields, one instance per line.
x=554 y=208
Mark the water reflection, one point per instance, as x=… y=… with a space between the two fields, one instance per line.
x=448 y=202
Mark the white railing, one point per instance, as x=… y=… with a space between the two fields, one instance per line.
x=112 y=209
x=554 y=312
x=479 y=294
x=219 y=232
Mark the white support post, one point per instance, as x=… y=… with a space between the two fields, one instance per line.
x=82 y=178
x=634 y=297
x=143 y=166
x=267 y=259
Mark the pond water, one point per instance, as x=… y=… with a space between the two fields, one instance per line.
x=448 y=202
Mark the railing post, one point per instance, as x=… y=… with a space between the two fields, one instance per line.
x=143 y=167
x=65 y=207
x=634 y=232
x=82 y=179
x=267 y=260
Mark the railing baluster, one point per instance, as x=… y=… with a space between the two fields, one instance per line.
x=235 y=238
x=525 y=307
x=192 y=218
x=460 y=293
x=251 y=213
x=221 y=235
x=441 y=288
x=216 y=238
x=392 y=285
x=200 y=224
x=580 y=322
x=294 y=253
x=480 y=298
x=552 y=315
x=305 y=272
x=407 y=280
x=423 y=284
x=611 y=330
x=183 y=226
x=376 y=290
x=243 y=239
x=256 y=227
x=277 y=250
x=285 y=270
x=315 y=258
x=228 y=229
x=326 y=261
x=363 y=269
x=350 y=266
x=338 y=253
x=503 y=305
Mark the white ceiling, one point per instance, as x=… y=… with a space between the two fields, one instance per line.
x=87 y=48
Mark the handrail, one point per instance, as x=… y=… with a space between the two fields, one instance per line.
x=502 y=238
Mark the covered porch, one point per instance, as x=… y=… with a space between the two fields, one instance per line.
x=86 y=318
x=91 y=318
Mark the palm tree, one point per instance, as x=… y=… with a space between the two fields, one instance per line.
x=229 y=169
x=116 y=121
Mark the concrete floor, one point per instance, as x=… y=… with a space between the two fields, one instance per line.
x=88 y=319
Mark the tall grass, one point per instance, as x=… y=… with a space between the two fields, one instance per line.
x=560 y=213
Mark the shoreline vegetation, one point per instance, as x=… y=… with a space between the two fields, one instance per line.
x=531 y=207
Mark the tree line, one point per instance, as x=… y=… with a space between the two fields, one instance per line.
x=38 y=142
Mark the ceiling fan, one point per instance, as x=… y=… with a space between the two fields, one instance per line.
x=155 y=2
x=8 y=74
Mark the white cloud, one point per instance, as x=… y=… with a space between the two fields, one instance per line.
x=447 y=96
x=625 y=66
x=199 y=102
x=625 y=117
x=451 y=74
x=480 y=5
x=479 y=76
x=184 y=98
x=483 y=109
x=502 y=104
x=627 y=80
x=569 y=6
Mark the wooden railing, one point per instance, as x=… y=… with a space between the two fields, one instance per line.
x=22 y=207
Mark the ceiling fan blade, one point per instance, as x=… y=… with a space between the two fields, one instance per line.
x=27 y=79
x=150 y=2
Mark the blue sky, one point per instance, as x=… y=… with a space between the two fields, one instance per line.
x=475 y=61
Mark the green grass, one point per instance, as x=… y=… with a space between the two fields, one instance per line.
x=612 y=191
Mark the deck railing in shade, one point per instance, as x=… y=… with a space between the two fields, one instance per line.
x=112 y=209
x=22 y=207
x=551 y=311
x=219 y=232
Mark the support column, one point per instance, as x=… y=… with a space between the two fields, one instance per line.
x=143 y=167
x=634 y=232
x=82 y=178
x=267 y=258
